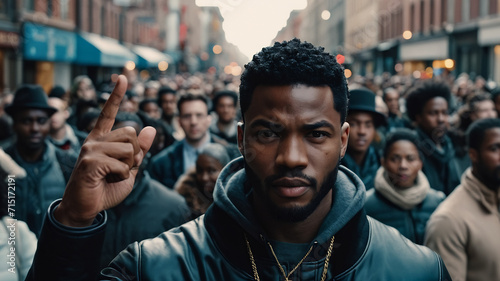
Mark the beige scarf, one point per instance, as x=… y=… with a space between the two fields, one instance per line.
x=407 y=198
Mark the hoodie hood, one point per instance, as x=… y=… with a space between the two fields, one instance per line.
x=230 y=195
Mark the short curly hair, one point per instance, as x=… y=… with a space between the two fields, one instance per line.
x=477 y=130
x=421 y=93
x=291 y=63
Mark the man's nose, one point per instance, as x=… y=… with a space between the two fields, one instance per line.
x=292 y=153
x=35 y=126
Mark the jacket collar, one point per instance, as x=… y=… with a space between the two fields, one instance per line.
x=479 y=192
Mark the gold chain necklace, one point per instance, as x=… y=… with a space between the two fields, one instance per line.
x=254 y=265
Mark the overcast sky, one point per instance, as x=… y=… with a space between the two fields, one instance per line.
x=252 y=24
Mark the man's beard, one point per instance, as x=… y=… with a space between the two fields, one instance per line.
x=491 y=178
x=292 y=214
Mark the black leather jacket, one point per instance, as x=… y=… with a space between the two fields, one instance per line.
x=212 y=247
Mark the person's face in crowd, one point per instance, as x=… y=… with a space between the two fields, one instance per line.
x=486 y=160
x=402 y=163
x=362 y=131
x=194 y=119
x=152 y=110
x=226 y=110
x=380 y=106
x=497 y=104
x=392 y=101
x=207 y=171
x=91 y=125
x=86 y=90
x=483 y=109
x=159 y=141
x=169 y=104
x=433 y=119
x=32 y=127
x=151 y=93
x=127 y=106
x=137 y=127
x=292 y=142
x=58 y=119
x=134 y=100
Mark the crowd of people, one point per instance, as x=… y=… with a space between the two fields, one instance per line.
x=232 y=180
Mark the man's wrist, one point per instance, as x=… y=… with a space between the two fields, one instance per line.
x=63 y=217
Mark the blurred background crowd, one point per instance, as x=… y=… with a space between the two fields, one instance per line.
x=420 y=73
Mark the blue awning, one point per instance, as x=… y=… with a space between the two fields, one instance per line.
x=93 y=49
x=48 y=44
x=150 y=57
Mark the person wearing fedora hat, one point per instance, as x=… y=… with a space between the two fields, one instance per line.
x=47 y=167
x=361 y=157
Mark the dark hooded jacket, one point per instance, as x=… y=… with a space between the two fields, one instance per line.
x=212 y=247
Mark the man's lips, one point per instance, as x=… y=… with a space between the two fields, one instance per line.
x=402 y=177
x=290 y=187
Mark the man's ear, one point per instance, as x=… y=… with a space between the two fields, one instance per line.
x=473 y=155
x=241 y=130
x=417 y=119
x=344 y=138
x=66 y=114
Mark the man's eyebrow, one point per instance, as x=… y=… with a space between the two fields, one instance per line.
x=317 y=125
x=263 y=123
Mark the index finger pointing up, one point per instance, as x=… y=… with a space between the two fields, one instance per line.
x=107 y=117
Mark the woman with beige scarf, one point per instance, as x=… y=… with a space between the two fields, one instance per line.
x=402 y=197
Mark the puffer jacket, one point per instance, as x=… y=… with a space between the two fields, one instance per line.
x=410 y=223
x=212 y=247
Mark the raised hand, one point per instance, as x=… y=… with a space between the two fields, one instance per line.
x=107 y=165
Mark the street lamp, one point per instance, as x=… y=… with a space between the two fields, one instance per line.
x=163 y=65
x=407 y=35
x=217 y=49
x=325 y=15
x=130 y=65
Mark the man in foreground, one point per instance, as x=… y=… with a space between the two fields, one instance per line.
x=286 y=210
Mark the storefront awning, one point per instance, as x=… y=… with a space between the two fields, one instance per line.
x=489 y=32
x=93 y=49
x=48 y=44
x=150 y=57
x=434 y=49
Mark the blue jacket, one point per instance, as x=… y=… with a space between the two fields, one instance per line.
x=45 y=182
x=212 y=247
x=410 y=223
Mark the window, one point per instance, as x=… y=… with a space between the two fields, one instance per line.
x=444 y=9
x=29 y=5
x=50 y=8
x=474 y=9
x=104 y=18
x=422 y=16
x=64 y=9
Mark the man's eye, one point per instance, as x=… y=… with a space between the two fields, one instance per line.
x=319 y=134
x=266 y=135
